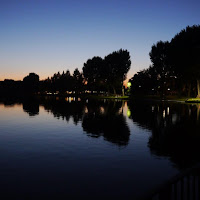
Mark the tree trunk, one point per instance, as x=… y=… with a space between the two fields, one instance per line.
x=198 y=88
x=114 y=91
x=122 y=90
x=189 y=90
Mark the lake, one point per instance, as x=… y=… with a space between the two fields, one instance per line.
x=71 y=147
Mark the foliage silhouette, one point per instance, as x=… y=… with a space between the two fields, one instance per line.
x=117 y=66
x=109 y=72
x=175 y=68
x=159 y=58
x=93 y=73
x=184 y=55
x=31 y=83
x=78 y=81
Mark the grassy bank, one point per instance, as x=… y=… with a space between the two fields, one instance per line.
x=109 y=97
x=159 y=98
x=140 y=97
x=193 y=100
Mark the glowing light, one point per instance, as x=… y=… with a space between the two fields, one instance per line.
x=129 y=84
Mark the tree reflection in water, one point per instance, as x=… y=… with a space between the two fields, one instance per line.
x=98 y=118
x=31 y=106
x=175 y=130
x=105 y=119
x=61 y=109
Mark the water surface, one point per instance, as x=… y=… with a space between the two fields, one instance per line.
x=53 y=148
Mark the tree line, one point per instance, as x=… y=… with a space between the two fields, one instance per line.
x=175 y=68
x=98 y=74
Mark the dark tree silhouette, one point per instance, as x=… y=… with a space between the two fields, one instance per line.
x=184 y=55
x=117 y=65
x=9 y=87
x=145 y=82
x=159 y=57
x=109 y=72
x=175 y=66
x=78 y=80
x=31 y=83
x=92 y=71
x=60 y=83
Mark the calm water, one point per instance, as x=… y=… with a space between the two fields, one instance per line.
x=63 y=148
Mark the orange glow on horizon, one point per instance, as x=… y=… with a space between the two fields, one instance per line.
x=20 y=76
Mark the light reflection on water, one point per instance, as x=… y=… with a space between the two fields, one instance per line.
x=53 y=148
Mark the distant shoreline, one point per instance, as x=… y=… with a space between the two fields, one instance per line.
x=111 y=97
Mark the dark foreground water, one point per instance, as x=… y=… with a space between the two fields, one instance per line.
x=66 y=149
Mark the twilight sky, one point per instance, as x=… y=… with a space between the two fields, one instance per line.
x=48 y=36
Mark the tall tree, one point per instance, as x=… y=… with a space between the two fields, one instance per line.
x=78 y=80
x=117 y=65
x=184 y=55
x=159 y=59
x=92 y=71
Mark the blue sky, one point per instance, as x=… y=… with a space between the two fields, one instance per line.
x=48 y=36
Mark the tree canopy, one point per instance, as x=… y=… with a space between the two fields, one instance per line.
x=175 y=65
x=31 y=83
x=109 y=72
